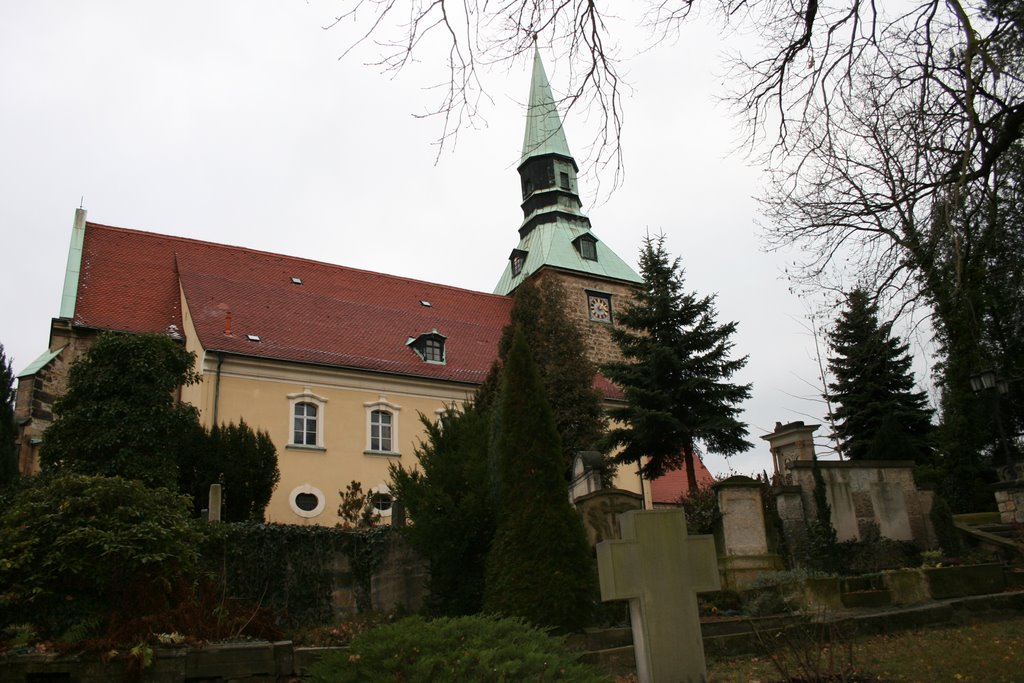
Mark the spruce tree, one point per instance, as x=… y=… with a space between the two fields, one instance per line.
x=8 y=427
x=675 y=375
x=879 y=415
x=540 y=566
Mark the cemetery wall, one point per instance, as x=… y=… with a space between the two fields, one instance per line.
x=868 y=495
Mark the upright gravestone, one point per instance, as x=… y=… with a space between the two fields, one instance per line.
x=214 y=508
x=659 y=569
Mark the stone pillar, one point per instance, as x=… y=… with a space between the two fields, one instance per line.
x=789 y=504
x=741 y=533
x=789 y=443
x=1010 y=499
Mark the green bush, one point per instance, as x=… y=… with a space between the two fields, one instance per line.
x=875 y=553
x=945 y=529
x=76 y=550
x=701 y=510
x=474 y=648
x=764 y=603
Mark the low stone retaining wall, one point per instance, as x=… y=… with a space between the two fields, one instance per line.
x=610 y=649
x=895 y=587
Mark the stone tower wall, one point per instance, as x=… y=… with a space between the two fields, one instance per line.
x=596 y=335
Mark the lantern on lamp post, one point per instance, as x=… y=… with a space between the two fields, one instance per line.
x=988 y=381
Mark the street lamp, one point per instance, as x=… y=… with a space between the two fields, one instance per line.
x=988 y=381
x=985 y=380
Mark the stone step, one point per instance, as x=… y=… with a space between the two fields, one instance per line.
x=600 y=639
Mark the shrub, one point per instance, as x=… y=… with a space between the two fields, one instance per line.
x=765 y=603
x=701 y=510
x=77 y=550
x=454 y=514
x=945 y=529
x=874 y=553
x=473 y=648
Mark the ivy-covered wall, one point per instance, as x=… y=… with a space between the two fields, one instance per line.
x=306 y=574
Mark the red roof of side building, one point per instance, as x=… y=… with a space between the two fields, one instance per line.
x=674 y=485
x=338 y=316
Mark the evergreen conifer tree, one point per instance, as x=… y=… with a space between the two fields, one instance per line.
x=8 y=428
x=240 y=459
x=566 y=372
x=540 y=566
x=119 y=416
x=879 y=415
x=451 y=506
x=675 y=374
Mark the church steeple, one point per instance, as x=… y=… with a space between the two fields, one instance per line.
x=547 y=169
x=555 y=234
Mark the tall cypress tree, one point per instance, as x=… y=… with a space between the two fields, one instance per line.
x=566 y=373
x=675 y=375
x=879 y=415
x=8 y=428
x=540 y=566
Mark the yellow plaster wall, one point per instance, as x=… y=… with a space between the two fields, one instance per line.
x=260 y=391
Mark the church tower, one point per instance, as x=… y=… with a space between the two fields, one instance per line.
x=555 y=237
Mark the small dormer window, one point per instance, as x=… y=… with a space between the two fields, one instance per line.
x=586 y=245
x=518 y=260
x=429 y=347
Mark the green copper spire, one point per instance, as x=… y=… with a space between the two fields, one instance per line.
x=555 y=233
x=544 y=134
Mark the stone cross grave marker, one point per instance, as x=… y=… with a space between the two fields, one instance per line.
x=660 y=570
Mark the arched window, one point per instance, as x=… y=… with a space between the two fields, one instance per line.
x=306 y=420
x=382 y=435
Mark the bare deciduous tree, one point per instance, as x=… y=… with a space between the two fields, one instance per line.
x=811 y=63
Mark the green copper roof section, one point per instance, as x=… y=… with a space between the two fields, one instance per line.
x=69 y=296
x=40 y=363
x=544 y=134
x=551 y=244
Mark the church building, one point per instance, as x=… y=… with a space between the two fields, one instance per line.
x=335 y=363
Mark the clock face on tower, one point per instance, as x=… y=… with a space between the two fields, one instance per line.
x=600 y=307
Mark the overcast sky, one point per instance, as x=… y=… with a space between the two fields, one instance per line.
x=236 y=123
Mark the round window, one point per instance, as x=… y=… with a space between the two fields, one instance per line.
x=382 y=502
x=306 y=502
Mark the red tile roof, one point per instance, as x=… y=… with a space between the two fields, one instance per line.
x=674 y=485
x=338 y=316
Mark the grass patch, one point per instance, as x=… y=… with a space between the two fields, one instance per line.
x=983 y=652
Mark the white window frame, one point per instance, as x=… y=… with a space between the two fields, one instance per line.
x=320 y=403
x=383 y=488
x=419 y=344
x=307 y=488
x=382 y=404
